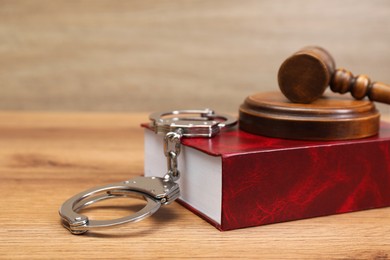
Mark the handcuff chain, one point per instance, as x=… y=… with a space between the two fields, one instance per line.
x=172 y=148
x=156 y=191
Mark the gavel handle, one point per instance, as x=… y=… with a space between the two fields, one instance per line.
x=360 y=86
x=379 y=92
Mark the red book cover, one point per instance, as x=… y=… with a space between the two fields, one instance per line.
x=238 y=180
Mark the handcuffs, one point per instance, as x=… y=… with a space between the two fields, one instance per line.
x=156 y=191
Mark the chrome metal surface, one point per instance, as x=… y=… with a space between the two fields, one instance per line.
x=172 y=148
x=156 y=191
x=194 y=123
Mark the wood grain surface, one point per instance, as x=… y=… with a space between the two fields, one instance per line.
x=47 y=157
x=332 y=118
x=147 y=55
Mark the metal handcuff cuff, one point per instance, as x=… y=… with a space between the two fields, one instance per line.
x=156 y=191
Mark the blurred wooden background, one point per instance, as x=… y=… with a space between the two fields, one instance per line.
x=146 y=55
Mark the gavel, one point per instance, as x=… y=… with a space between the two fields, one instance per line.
x=305 y=75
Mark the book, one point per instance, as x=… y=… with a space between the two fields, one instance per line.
x=237 y=179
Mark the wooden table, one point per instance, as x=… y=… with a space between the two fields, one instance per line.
x=47 y=157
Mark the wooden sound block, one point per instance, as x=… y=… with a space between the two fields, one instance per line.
x=328 y=118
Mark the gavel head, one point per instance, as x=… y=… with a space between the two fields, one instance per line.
x=305 y=75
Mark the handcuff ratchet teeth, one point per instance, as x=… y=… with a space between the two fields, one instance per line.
x=156 y=191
